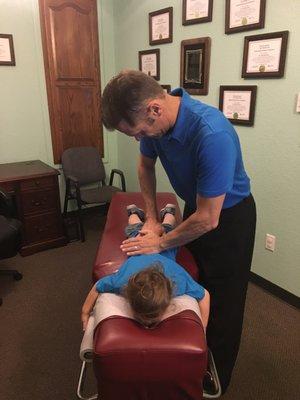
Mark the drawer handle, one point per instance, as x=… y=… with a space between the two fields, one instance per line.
x=39 y=202
x=37 y=183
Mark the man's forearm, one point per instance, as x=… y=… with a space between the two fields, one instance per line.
x=147 y=181
x=187 y=231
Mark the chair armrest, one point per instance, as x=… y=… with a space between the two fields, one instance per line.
x=6 y=204
x=72 y=178
x=71 y=181
x=119 y=172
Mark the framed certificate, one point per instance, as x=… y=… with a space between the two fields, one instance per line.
x=161 y=26
x=149 y=63
x=194 y=65
x=264 y=55
x=7 y=54
x=196 y=11
x=238 y=104
x=244 y=15
x=167 y=88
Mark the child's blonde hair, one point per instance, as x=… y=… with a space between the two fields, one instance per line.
x=149 y=293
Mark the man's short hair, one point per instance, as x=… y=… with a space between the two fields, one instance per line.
x=125 y=97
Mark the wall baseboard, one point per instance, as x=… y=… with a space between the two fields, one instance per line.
x=277 y=291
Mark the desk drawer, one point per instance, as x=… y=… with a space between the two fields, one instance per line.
x=9 y=187
x=39 y=201
x=41 y=227
x=37 y=183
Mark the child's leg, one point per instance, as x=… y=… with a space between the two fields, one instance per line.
x=134 y=219
x=168 y=217
x=169 y=222
x=135 y=223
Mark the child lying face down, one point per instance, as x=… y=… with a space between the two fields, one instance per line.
x=149 y=281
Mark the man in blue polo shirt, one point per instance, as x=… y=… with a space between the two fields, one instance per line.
x=200 y=152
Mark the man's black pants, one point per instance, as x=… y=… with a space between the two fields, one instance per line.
x=224 y=258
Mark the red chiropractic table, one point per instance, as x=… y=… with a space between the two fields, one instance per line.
x=135 y=363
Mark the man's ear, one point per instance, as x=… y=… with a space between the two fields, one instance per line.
x=154 y=109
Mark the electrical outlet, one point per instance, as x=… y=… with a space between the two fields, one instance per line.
x=270 y=242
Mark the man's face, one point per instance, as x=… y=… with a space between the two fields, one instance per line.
x=148 y=126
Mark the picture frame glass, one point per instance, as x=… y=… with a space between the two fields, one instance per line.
x=196 y=9
x=149 y=64
x=160 y=26
x=236 y=104
x=243 y=13
x=193 y=66
x=264 y=55
x=194 y=56
x=5 y=52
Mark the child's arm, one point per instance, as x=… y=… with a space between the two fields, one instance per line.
x=204 y=305
x=88 y=306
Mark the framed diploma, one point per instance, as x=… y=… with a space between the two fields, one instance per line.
x=194 y=65
x=161 y=26
x=7 y=54
x=244 y=15
x=167 y=88
x=264 y=55
x=149 y=63
x=196 y=11
x=238 y=104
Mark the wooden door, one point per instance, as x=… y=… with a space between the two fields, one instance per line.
x=71 y=58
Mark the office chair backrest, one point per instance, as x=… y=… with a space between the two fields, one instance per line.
x=83 y=163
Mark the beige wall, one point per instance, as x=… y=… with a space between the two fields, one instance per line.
x=271 y=148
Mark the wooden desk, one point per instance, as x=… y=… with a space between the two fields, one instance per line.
x=34 y=186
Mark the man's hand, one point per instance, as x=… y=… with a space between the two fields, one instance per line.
x=147 y=242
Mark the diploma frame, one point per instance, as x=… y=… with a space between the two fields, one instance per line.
x=168 y=39
x=194 y=65
x=265 y=74
x=244 y=27
x=207 y=18
x=10 y=61
x=156 y=53
x=167 y=88
x=236 y=88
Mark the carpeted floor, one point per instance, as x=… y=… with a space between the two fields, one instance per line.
x=40 y=330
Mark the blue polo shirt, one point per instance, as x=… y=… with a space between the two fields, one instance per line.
x=183 y=282
x=201 y=154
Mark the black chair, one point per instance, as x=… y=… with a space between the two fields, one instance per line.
x=10 y=234
x=82 y=167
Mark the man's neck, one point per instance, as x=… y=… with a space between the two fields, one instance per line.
x=172 y=106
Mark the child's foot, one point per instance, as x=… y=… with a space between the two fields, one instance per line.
x=133 y=209
x=168 y=209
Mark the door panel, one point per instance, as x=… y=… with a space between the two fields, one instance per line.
x=71 y=57
x=78 y=102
